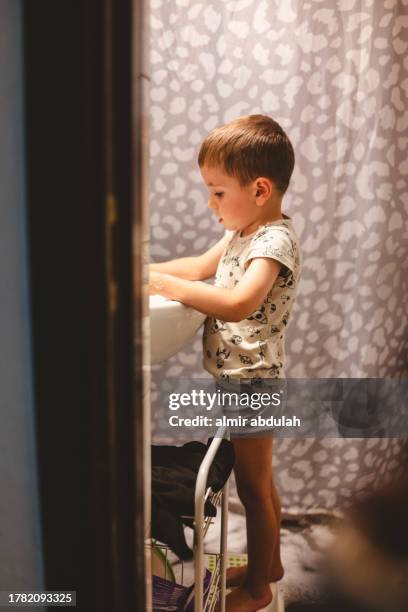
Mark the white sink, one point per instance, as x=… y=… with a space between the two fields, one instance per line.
x=172 y=325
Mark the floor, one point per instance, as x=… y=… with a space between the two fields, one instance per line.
x=303 y=542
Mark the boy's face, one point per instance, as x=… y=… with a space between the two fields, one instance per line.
x=233 y=205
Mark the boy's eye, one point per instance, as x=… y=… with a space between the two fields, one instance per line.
x=218 y=194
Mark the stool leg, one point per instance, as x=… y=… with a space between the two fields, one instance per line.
x=223 y=546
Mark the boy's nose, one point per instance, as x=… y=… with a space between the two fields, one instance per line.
x=210 y=203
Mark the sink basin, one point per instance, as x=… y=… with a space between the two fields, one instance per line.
x=172 y=325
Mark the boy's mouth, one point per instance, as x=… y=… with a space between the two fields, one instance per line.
x=220 y=220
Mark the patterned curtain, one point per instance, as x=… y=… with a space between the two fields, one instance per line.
x=334 y=74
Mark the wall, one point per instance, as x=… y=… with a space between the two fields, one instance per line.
x=20 y=556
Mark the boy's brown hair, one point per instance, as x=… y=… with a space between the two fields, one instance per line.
x=249 y=147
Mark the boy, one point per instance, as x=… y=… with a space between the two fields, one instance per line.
x=247 y=165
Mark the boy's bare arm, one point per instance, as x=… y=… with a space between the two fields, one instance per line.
x=226 y=304
x=193 y=268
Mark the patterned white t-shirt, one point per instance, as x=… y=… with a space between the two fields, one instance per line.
x=254 y=347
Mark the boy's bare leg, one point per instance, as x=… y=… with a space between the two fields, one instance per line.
x=253 y=474
x=236 y=575
x=276 y=569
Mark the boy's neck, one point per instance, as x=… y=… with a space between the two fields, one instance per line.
x=268 y=214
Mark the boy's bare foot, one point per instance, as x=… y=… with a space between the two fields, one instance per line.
x=241 y=600
x=236 y=575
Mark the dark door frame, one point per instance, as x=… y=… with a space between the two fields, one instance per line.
x=83 y=139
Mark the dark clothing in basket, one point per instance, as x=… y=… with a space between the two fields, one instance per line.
x=174 y=475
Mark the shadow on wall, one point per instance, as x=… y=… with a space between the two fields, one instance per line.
x=367 y=564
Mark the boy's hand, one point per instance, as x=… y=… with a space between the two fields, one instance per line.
x=155 y=283
x=233 y=304
x=194 y=268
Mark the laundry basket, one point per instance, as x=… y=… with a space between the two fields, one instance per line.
x=208 y=587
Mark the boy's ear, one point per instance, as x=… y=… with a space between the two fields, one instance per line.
x=264 y=188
